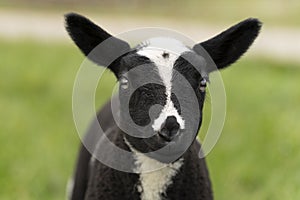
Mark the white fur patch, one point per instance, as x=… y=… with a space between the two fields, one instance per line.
x=153 y=183
x=154 y=51
x=70 y=186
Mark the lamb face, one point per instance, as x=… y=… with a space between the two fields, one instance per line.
x=156 y=104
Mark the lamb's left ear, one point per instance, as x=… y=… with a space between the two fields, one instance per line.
x=87 y=36
x=230 y=45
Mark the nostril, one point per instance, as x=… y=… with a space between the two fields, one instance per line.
x=174 y=130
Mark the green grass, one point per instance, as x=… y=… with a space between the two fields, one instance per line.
x=257 y=156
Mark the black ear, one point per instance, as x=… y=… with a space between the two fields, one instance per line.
x=87 y=36
x=230 y=45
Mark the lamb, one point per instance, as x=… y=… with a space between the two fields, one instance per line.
x=183 y=176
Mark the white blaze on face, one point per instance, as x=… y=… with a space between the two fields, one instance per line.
x=163 y=52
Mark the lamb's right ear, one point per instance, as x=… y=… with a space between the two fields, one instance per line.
x=87 y=36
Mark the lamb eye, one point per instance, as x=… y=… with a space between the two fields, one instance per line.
x=202 y=85
x=124 y=83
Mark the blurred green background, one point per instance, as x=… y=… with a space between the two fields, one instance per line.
x=258 y=154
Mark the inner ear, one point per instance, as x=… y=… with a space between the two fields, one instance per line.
x=97 y=44
x=230 y=45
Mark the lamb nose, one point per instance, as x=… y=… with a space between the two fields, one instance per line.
x=169 y=129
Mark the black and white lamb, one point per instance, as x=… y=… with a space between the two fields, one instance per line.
x=183 y=177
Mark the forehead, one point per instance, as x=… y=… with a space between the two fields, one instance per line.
x=163 y=55
x=162 y=50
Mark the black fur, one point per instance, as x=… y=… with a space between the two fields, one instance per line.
x=94 y=180
x=82 y=167
x=107 y=183
x=101 y=182
x=192 y=181
x=231 y=44
x=87 y=36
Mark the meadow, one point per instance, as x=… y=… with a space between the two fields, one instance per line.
x=257 y=156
